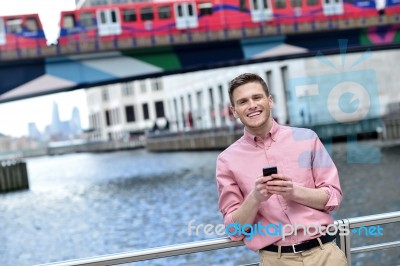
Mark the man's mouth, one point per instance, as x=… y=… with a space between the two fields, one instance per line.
x=254 y=114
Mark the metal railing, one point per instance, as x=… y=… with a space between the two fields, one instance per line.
x=220 y=243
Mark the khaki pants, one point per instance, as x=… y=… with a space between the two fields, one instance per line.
x=328 y=254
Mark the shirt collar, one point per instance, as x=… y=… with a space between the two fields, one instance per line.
x=273 y=133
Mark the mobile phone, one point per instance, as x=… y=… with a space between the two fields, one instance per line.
x=270 y=170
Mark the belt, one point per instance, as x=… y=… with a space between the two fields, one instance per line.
x=302 y=246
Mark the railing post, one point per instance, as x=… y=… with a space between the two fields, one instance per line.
x=346 y=240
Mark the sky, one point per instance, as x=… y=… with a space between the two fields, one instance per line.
x=15 y=116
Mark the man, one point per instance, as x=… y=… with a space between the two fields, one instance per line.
x=298 y=198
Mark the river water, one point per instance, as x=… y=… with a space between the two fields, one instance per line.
x=84 y=205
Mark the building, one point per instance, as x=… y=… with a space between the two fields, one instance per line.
x=125 y=110
x=325 y=91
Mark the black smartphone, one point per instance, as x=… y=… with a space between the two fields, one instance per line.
x=270 y=170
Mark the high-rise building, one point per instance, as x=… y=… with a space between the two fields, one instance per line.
x=75 y=122
x=55 y=127
x=33 y=131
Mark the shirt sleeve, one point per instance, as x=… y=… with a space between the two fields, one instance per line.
x=326 y=176
x=230 y=196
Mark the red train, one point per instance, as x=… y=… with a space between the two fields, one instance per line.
x=166 y=17
x=21 y=31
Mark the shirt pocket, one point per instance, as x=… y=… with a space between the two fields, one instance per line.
x=300 y=172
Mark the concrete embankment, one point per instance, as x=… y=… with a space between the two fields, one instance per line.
x=192 y=141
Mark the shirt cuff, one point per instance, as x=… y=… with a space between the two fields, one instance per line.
x=228 y=221
x=333 y=203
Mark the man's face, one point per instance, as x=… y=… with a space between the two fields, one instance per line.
x=252 y=106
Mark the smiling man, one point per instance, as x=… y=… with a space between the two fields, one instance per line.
x=303 y=191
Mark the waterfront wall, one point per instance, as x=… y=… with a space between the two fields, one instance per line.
x=13 y=175
x=193 y=141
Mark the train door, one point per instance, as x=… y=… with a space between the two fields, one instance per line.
x=2 y=32
x=185 y=16
x=332 y=7
x=108 y=22
x=260 y=10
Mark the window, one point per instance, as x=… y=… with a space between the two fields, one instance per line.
x=14 y=25
x=312 y=2
x=130 y=113
x=86 y=19
x=145 y=108
x=295 y=3
x=142 y=85
x=127 y=89
x=156 y=85
x=205 y=9
x=113 y=16
x=108 y=120
x=255 y=4
x=164 y=12
x=32 y=24
x=102 y=17
x=243 y=5
x=180 y=13
x=69 y=21
x=105 y=95
x=280 y=4
x=159 y=109
x=146 y=13
x=99 y=2
x=129 y=15
x=190 y=10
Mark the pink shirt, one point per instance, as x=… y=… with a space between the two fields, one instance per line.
x=297 y=153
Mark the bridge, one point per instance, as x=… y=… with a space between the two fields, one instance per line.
x=86 y=63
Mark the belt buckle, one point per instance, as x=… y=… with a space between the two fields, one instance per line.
x=294 y=249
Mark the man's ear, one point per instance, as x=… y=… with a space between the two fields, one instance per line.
x=234 y=111
x=271 y=102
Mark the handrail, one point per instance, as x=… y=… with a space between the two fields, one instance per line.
x=225 y=242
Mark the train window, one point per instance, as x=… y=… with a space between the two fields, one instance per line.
x=146 y=13
x=312 y=2
x=164 y=12
x=69 y=21
x=102 y=17
x=295 y=3
x=190 y=10
x=113 y=16
x=86 y=19
x=243 y=5
x=14 y=25
x=280 y=4
x=119 y=1
x=205 y=8
x=129 y=15
x=265 y=3
x=255 y=4
x=32 y=24
x=180 y=13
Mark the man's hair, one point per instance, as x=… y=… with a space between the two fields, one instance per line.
x=244 y=79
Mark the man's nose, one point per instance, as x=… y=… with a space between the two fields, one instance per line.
x=252 y=104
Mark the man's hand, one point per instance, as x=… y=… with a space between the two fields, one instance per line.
x=260 y=191
x=311 y=197
x=281 y=185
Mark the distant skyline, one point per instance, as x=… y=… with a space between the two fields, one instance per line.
x=15 y=116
